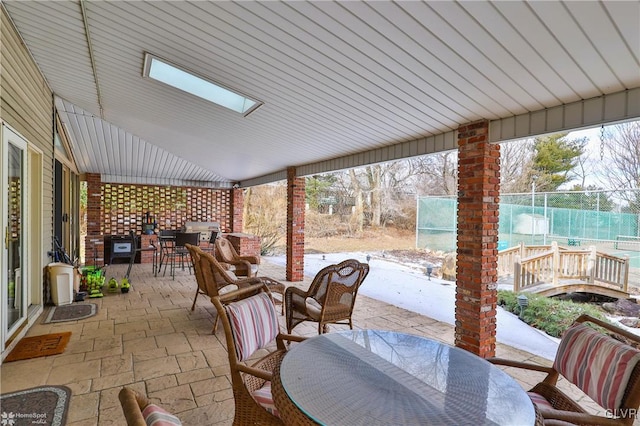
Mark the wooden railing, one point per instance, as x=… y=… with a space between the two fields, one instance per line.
x=611 y=270
x=507 y=257
x=533 y=265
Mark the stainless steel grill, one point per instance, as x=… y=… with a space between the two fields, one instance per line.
x=204 y=228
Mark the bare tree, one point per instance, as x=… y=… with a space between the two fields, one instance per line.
x=583 y=169
x=620 y=168
x=436 y=174
x=516 y=166
x=380 y=191
x=359 y=207
x=265 y=214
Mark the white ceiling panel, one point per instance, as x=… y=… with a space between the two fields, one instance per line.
x=342 y=82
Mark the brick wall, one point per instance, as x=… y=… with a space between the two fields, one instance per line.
x=126 y=205
x=295 y=225
x=478 y=202
x=115 y=209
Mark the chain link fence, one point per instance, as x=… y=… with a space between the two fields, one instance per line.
x=610 y=220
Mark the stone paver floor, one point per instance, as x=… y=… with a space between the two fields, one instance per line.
x=150 y=340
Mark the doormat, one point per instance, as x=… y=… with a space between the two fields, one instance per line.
x=44 y=405
x=37 y=346
x=71 y=312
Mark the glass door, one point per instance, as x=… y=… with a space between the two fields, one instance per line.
x=14 y=296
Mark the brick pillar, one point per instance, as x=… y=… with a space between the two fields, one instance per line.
x=478 y=203
x=295 y=226
x=237 y=207
x=94 y=240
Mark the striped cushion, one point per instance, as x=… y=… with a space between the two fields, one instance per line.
x=598 y=364
x=263 y=397
x=156 y=416
x=254 y=324
x=539 y=400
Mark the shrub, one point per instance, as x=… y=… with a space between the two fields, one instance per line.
x=550 y=315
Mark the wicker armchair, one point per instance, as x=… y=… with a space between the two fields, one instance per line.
x=329 y=299
x=250 y=323
x=194 y=254
x=603 y=366
x=245 y=266
x=138 y=410
x=217 y=278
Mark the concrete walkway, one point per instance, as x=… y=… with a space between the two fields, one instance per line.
x=150 y=340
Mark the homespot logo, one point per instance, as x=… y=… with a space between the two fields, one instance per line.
x=621 y=413
x=7 y=419
x=11 y=418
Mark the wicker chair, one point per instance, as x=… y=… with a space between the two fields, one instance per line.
x=329 y=299
x=138 y=409
x=250 y=323
x=194 y=253
x=602 y=365
x=245 y=266
x=217 y=279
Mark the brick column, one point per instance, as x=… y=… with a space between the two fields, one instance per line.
x=477 y=254
x=295 y=226
x=237 y=207
x=94 y=240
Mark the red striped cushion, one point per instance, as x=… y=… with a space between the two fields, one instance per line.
x=254 y=324
x=263 y=397
x=598 y=364
x=157 y=416
x=539 y=400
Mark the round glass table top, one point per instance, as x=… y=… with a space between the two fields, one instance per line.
x=373 y=377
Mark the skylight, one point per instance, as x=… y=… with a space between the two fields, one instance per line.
x=179 y=78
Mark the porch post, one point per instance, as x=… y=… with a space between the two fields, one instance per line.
x=237 y=209
x=295 y=225
x=94 y=240
x=477 y=253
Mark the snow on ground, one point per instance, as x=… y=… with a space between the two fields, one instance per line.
x=409 y=288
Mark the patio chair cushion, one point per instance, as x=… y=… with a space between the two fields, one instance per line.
x=263 y=397
x=313 y=307
x=539 y=400
x=254 y=324
x=157 y=416
x=598 y=364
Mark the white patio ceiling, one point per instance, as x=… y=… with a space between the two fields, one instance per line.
x=343 y=83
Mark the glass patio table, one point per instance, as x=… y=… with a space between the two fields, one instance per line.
x=373 y=377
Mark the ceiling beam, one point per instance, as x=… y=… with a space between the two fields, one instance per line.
x=87 y=34
x=602 y=110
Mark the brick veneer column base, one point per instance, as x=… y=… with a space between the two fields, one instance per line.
x=295 y=226
x=245 y=244
x=478 y=203
x=237 y=209
x=94 y=240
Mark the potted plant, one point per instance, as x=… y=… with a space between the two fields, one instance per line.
x=125 y=285
x=94 y=284
x=113 y=285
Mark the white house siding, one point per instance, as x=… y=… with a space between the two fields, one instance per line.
x=26 y=105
